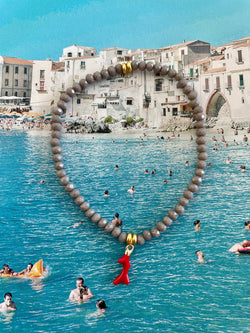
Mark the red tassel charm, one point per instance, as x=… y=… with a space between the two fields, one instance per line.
x=123 y=277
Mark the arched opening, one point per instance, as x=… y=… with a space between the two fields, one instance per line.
x=217 y=106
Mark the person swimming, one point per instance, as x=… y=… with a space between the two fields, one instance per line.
x=197 y=224
x=7 y=271
x=200 y=256
x=78 y=293
x=238 y=246
x=106 y=194
x=228 y=161
x=116 y=167
x=117 y=222
x=101 y=305
x=8 y=304
x=27 y=270
x=186 y=163
x=247 y=224
x=146 y=172
x=132 y=190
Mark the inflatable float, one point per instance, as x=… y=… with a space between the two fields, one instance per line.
x=37 y=271
x=246 y=250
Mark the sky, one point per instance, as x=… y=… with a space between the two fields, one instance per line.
x=37 y=30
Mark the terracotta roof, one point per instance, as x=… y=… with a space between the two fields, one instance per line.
x=236 y=42
x=16 y=61
x=199 y=62
x=218 y=57
x=57 y=66
x=83 y=57
x=243 y=45
x=176 y=46
x=216 y=70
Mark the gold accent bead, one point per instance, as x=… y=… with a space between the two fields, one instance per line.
x=129 y=67
x=129 y=238
x=124 y=68
x=134 y=239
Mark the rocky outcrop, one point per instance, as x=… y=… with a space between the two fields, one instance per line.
x=87 y=126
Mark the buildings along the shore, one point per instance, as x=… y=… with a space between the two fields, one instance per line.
x=220 y=75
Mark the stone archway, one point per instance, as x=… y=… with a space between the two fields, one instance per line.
x=218 y=109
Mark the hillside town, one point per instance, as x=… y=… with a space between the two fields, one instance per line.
x=220 y=76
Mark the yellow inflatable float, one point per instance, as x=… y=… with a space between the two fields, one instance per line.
x=37 y=271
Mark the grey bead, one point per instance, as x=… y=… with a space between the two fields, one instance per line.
x=140 y=240
x=201 y=164
x=59 y=165
x=200 y=124
x=172 y=214
x=56 y=134
x=201 y=148
x=142 y=65
x=161 y=226
x=61 y=173
x=62 y=105
x=164 y=70
x=179 y=209
x=155 y=232
x=69 y=187
x=201 y=140
x=157 y=68
x=55 y=142
x=167 y=220
x=147 y=235
x=56 y=127
x=118 y=68
x=192 y=187
x=77 y=88
x=188 y=195
x=187 y=89
x=84 y=206
x=182 y=83
x=112 y=71
x=109 y=227
x=179 y=77
x=102 y=223
x=193 y=103
x=55 y=119
x=199 y=172
x=201 y=132
x=172 y=73
x=192 y=95
x=65 y=97
x=70 y=92
x=149 y=66
x=75 y=193
x=199 y=116
x=203 y=156
x=83 y=83
x=58 y=111
x=183 y=201
x=90 y=212
x=79 y=200
x=196 y=180
x=116 y=232
x=134 y=65
x=97 y=76
x=89 y=78
x=104 y=74
x=123 y=237
x=198 y=109
x=64 y=180
x=96 y=218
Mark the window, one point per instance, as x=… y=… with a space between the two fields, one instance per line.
x=68 y=63
x=191 y=72
x=83 y=64
x=206 y=84
x=6 y=82
x=16 y=93
x=79 y=54
x=42 y=73
x=178 y=98
x=16 y=70
x=217 y=82
x=129 y=101
x=6 y=93
x=227 y=55
x=155 y=104
x=7 y=68
x=242 y=100
x=229 y=82
x=172 y=53
x=25 y=70
x=164 y=113
x=241 y=80
x=25 y=83
x=166 y=100
x=69 y=54
x=182 y=52
x=78 y=101
x=41 y=85
x=174 y=111
x=167 y=55
x=240 y=56
x=16 y=83
x=119 y=52
x=158 y=84
x=24 y=94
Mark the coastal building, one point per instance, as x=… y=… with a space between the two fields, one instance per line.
x=15 y=79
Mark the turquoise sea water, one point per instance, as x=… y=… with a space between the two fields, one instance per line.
x=169 y=291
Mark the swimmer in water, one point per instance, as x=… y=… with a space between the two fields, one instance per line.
x=197 y=224
x=42 y=181
x=101 y=305
x=132 y=190
x=117 y=222
x=7 y=270
x=228 y=161
x=247 y=224
x=243 y=168
x=8 y=304
x=187 y=164
x=146 y=172
x=200 y=256
x=165 y=181
x=27 y=270
x=106 y=194
x=116 y=167
x=78 y=293
x=153 y=172
x=170 y=173
x=238 y=246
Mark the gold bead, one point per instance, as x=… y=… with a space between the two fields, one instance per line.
x=134 y=239
x=129 y=238
x=124 y=68
x=129 y=67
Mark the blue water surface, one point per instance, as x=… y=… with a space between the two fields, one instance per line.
x=168 y=290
